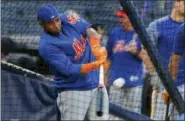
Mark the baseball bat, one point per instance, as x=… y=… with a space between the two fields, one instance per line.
x=99 y=108
x=154 y=101
x=167 y=117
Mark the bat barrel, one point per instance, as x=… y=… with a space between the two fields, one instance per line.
x=99 y=111
x=99 y=108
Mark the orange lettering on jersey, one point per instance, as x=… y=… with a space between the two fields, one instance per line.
x=79 y=47
x=83 y=40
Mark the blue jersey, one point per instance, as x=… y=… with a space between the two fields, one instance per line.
x=163 y=30
x=67 y=52
x=124 y=64
x=179 y=49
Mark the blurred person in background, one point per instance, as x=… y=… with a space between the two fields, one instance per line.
x=27 y=62
x=7 y=46
x=177 y=63
x=9 y=54
x=125 y=74
x=162 y=32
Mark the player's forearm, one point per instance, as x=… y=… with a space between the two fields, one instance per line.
x=94 y=41
x=174 y=65
x=146 y=59
x=91 y=33
x=137 y=55
x=88 y=67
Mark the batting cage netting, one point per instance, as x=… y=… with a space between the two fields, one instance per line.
x=143 y=76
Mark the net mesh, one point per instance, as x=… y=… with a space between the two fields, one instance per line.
x=19 y=24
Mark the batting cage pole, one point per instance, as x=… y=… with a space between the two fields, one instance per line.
x=154 y=56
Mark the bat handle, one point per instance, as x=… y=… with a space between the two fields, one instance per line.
x=101 y=78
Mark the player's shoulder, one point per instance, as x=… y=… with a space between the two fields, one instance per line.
x=160 y=21
x=70 y=16
x=48 y=44
x=46 y=41
x=43 y=43
x=45 y=38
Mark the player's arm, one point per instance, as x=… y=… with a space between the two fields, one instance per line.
x=179 y=48
x=90 y=32
x=94 y=40
x=141 y=54
x=174 y=65
x=135 y=48
x=84 y=27
x=59 y=61
x=146 y=59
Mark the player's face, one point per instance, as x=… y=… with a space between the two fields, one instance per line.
x=125 y=22
x=53 y=26
x=181 y=7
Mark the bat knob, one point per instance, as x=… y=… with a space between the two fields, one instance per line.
x=99 y=113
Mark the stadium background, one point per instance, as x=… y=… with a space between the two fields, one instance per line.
x=25 y=97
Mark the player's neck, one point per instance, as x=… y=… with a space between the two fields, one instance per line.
x=128 y=28
x=176 y=16
x=56 y=35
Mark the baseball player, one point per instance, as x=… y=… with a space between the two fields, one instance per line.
x=126 y=70
x=74 y=61
x=162 y=32
x=177 y=66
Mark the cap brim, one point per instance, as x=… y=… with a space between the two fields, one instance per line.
x=120 y=13
x=49 y=19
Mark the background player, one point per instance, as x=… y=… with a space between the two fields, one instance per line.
x=7 y=46
x=64 y=47
x=163 y=32
x=177 y=66
x=126 y=69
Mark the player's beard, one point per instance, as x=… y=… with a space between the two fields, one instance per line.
x=55 y=32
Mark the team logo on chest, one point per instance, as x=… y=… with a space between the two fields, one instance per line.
x=120 y=46
x=73 y=17
x=79 y=47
